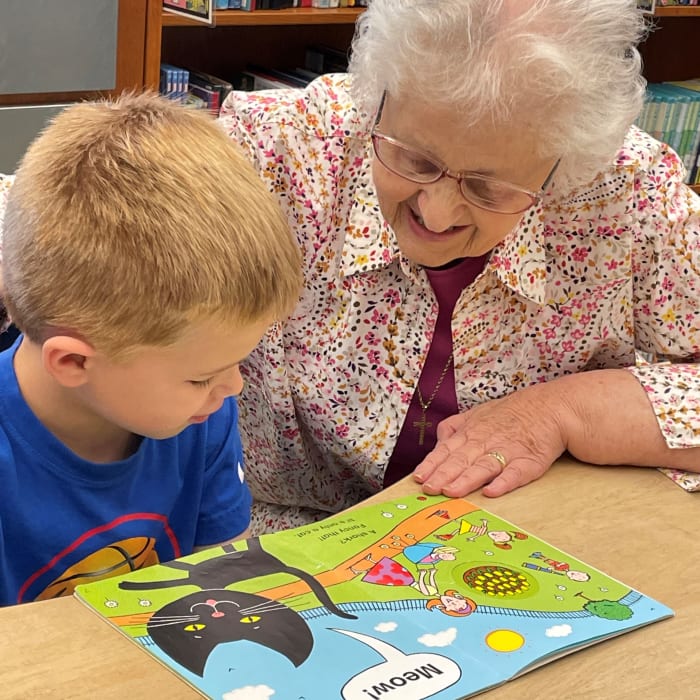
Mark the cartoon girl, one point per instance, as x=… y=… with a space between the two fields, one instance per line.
x=452 y=603
x=426 y=556
x=502 y=539
x=386 y=572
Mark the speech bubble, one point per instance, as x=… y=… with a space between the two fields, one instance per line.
x=417 y=675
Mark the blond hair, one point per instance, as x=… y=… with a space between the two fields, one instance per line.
x=130 y=218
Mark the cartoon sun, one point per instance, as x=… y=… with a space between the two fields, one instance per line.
x=504 y=640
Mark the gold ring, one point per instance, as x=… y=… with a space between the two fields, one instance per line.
x=499 y=458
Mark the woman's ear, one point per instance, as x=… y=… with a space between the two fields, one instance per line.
x=65 y=359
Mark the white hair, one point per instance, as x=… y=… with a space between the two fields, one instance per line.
x=567 y=71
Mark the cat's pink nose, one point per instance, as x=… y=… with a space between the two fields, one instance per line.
x=217 y=614
x=211 y=602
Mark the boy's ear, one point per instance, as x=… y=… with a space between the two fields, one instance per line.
x=65 y=358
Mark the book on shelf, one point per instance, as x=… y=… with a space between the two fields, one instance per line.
x=202 y=10
x=174 y=81
x=671 y=113
x=210 y=88
x=273 y=4
x=325 y=59
x=284 y=78
x=416 y=597
x=251 y=79
x=264 y=79
x=692 y=85
x=217 y=83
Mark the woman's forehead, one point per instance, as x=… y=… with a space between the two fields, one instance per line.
x=451 y=137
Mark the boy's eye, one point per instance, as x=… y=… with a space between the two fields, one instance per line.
x=203 y=382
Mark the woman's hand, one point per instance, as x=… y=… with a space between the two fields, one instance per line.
x=601 y=417
x=525 y=428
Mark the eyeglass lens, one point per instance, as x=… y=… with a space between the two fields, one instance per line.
x=483 y=192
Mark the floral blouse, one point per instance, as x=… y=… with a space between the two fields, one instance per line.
x=583 y=282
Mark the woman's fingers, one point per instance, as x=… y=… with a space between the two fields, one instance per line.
x=501 y=446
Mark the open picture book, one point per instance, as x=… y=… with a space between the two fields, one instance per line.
x=417 y=597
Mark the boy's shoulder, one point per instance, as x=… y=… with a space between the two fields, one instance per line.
x=221 y=429
x=211 y=440
x=8 y=378
x=22 y=435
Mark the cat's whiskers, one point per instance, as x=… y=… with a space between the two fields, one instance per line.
x=170 y=623
x=267 y=606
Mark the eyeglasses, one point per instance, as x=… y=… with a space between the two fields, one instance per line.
x=480 y=190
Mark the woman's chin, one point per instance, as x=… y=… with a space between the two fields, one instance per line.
x=434 y=253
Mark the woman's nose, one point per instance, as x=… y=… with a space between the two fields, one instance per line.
x=441 y=205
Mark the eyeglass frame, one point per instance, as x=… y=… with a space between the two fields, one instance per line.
x=376 y=135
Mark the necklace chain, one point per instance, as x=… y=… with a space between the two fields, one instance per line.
x=423 y=423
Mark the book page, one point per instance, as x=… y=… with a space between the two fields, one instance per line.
x=418 y=597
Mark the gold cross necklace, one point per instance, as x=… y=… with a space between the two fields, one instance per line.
x=424 y=423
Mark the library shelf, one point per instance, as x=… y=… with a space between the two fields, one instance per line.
x=677 y=11
x=258 y=18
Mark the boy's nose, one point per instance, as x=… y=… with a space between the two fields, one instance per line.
x=233 y=382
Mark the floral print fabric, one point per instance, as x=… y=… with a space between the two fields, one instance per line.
x=583 y=281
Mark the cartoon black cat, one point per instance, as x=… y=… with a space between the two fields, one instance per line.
x=189 y=628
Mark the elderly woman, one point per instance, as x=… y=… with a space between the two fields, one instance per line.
x=488 y=242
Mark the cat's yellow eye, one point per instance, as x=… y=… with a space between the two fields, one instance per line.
x=196 y=627
x=250 y=619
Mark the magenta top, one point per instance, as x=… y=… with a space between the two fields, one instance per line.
x=437 y=389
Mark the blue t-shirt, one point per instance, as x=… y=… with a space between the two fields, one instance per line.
x=65 y=520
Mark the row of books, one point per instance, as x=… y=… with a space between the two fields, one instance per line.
x=318 y=60
x=194 y=89
x=202 y=90
x=671 y=114
x=251 y=5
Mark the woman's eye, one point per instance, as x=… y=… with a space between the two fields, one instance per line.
x=483 y=189
x=202 y=383
x=419 y=165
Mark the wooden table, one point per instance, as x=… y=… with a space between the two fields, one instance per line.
x=634 y=524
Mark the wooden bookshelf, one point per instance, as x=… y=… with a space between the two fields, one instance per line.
x=274 y=38
x=259 y=18
x=677 y=11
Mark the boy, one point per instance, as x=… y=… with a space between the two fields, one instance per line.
x=142 y=260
